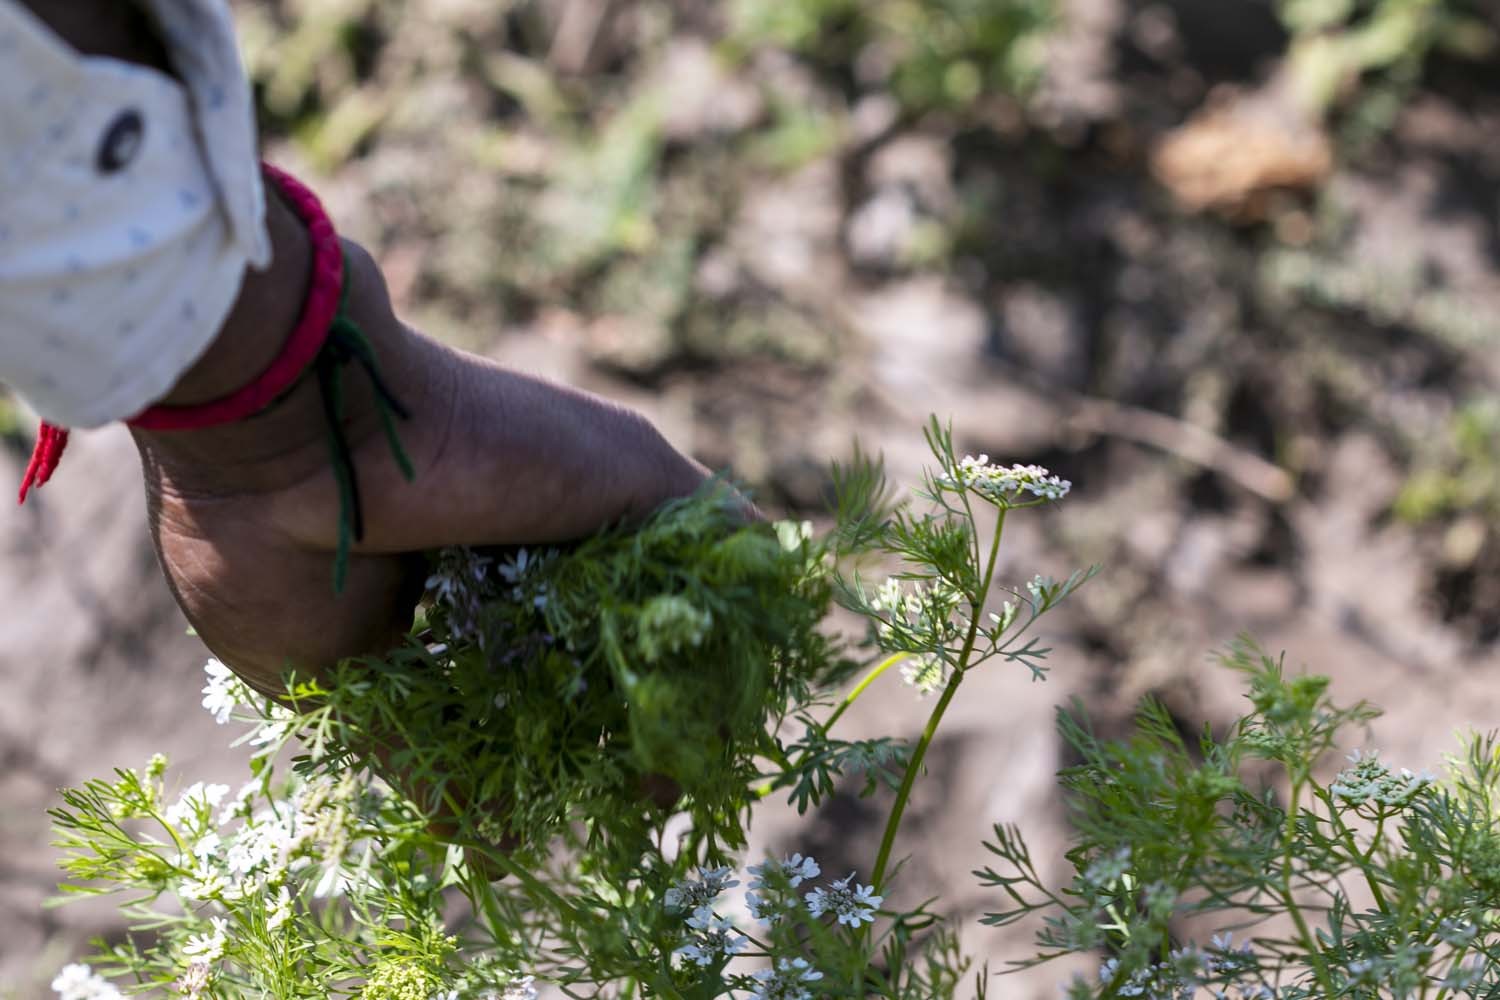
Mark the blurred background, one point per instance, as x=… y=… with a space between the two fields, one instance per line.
x=1231 y=266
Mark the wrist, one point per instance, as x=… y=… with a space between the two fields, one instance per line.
x=287 y=441
x=263 y=315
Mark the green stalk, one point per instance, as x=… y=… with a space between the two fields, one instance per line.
x=893 y=823
x=1361 y=858
x=887 y=841
x=859 y=689
x=870 y=678
x=1315 y=956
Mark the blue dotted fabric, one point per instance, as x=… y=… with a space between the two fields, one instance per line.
x=130 y=205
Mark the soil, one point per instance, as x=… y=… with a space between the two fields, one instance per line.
x=1239 y=335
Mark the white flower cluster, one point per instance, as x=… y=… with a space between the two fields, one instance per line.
x=1162 y=981
x=1465 y=974
x=1403 y=963
x=689 y=894
x=1003 y=484
x=670 y=623
x=1226 y=972
x=712 y=937
x=459 y=584
x=208 y=948
x=925 y=672
x=518 y=570
x=79 y=982
x=770 y=897
x=1370 y=780
x=523 y=988
x=1457 y=933
x=224 y=691
x=774 y=893
x=464 y=580
x=787 y=980
x=258 y=858
x=195 y=981
x=918 y=615
x=851 y=906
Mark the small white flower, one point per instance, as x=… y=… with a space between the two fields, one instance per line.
x=765 y=908
x=281 y=912
x=696 y=954
x=1464 y=975
x=890 y=597
x=207 y=846
x=1005 y=619
x=522 y=989
x=239 y=806
x=1456 y=932
x=460 y=568
x=670 y=623
x=209 y=947
x=204 y=884
x=274 y=730
x=195 y=797
x=1224 y=959
x=224 y=691
x=195 y=980
x=515 y=568
x=849 y=906
x=461 y=584
x=79 y=982
x=795 y=869
x=793 y=534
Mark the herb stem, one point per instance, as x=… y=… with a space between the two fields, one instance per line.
x=859 y=689
x=1314 y=954
x=1361 y=858
x=914 y=766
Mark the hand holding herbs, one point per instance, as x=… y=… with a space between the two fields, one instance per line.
x=248 y=517
x=545 y=691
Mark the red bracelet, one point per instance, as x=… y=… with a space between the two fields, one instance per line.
x=296 y=355
x=324 y=341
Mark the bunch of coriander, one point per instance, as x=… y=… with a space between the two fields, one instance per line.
x=634 y=675
x=552 y=777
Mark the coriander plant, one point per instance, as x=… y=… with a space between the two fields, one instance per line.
x=551 y=782
x=550 y=786
x=1368 y=883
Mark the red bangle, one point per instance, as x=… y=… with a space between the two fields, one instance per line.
x=301 y=347
x=296 y=355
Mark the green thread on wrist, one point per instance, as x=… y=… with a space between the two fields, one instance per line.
x=347 y=342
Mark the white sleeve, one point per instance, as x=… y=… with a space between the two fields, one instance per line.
x=130 y=207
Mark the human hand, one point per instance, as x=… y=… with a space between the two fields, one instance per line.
x=245 y=516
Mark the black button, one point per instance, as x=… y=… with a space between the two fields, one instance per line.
x=121 y=142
